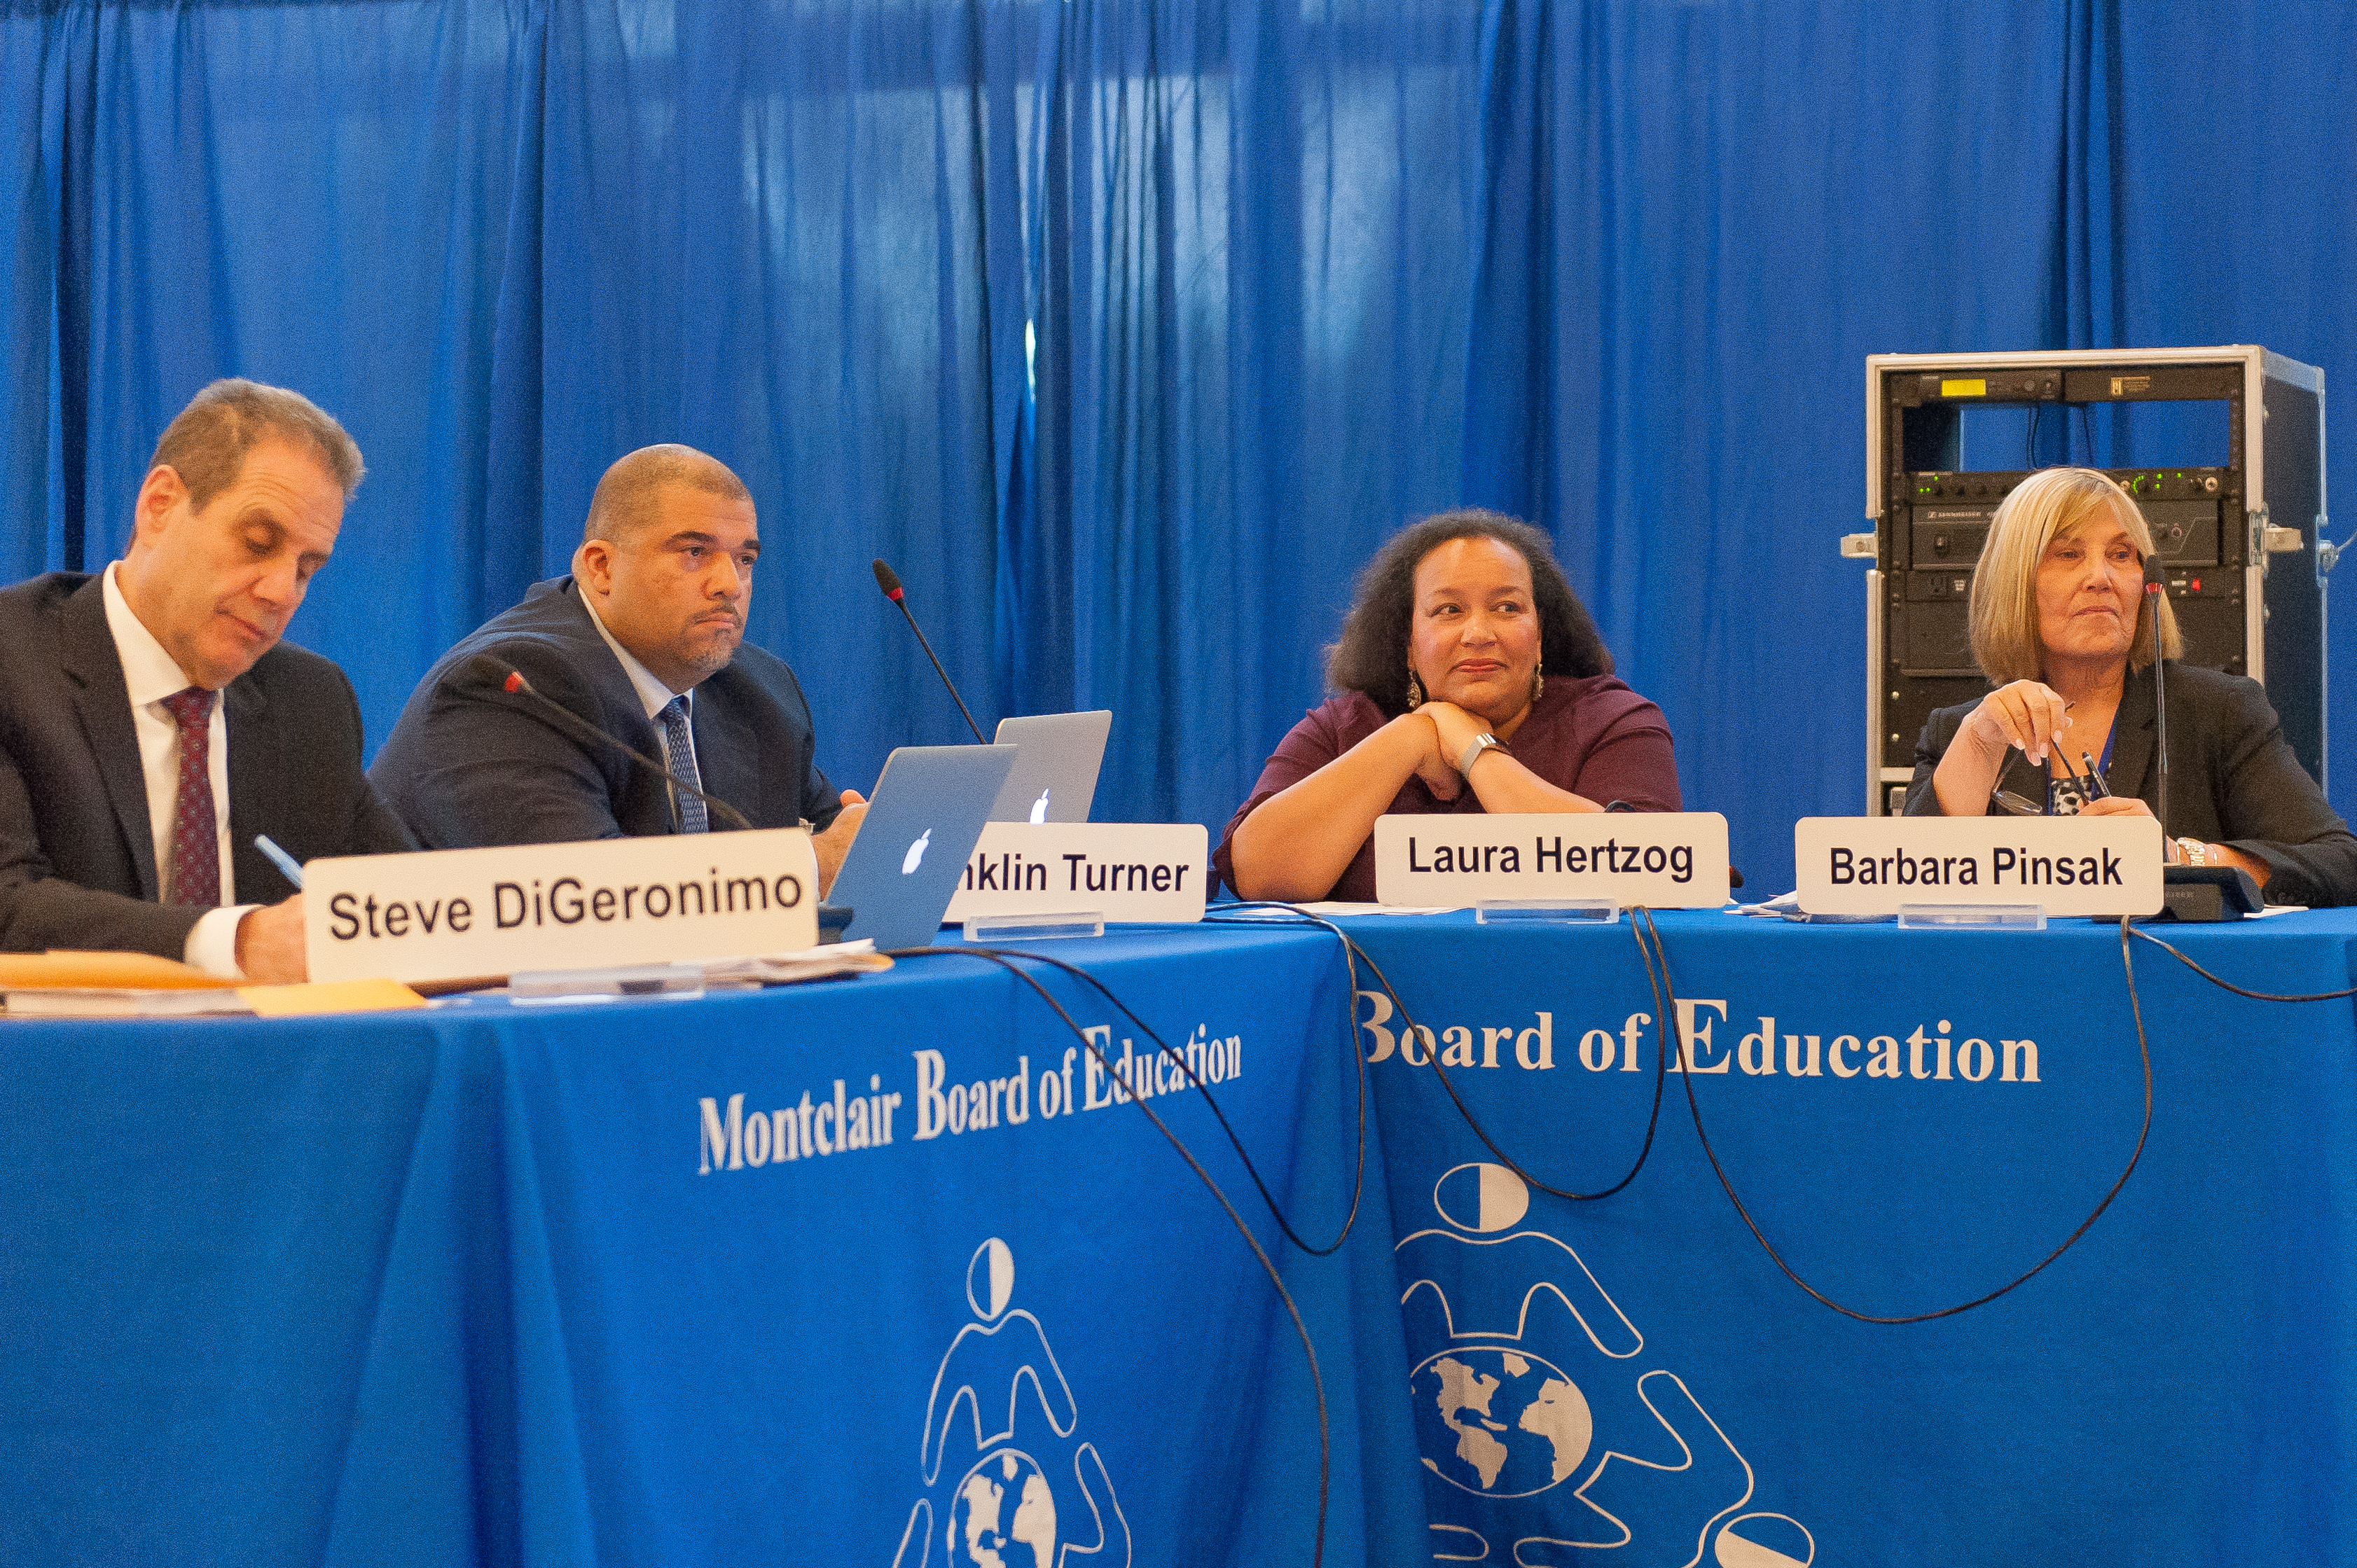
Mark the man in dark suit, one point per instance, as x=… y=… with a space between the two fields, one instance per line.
x=644 y=640
x=152 y=724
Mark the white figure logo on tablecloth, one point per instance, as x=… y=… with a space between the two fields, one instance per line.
x=1521 y=1372
x=1007 y=1508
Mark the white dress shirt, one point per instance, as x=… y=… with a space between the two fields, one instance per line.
x=653 y=695
x=150 y=675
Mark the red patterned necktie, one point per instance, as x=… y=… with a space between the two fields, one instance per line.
x=194 y=876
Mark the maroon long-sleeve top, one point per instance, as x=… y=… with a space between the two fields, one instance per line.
x=1593 y=737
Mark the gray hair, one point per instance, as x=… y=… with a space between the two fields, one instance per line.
x=207 y=442
x=2053 y=503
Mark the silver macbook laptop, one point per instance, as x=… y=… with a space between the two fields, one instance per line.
x=1055 y=778
x=923 y=823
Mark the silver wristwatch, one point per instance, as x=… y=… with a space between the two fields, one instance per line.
x=1473 y=750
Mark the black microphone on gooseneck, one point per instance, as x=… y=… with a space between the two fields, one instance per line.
x=2156 y=594
x=890 y=581
x=483 y=669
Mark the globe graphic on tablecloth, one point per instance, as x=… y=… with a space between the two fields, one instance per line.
x=1003 y=1515
x=1498 y=1422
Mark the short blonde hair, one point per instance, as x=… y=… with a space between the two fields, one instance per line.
x=2053 y=503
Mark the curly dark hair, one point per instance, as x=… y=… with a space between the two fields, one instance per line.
x=1371 y=656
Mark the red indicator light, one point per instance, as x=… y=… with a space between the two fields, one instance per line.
x=2197 y=584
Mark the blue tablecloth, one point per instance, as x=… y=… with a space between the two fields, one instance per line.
x=2176 y=1389
x=522 y=1285
x=469 y=1285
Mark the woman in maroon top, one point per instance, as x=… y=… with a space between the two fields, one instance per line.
x=1472 y=680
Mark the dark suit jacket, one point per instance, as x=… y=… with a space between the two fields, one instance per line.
x=2232 y=779
x=470 y=765
x=77 y=849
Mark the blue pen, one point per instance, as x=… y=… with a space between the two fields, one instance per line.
x=281 y=859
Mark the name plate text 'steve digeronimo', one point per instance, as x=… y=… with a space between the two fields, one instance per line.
x=454 y=914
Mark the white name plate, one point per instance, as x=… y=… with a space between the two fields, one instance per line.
x=1124 y=871
x=457 y=913
x=1664 y=860
x=2068 y=865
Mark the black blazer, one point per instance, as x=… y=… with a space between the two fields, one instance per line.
x=77 y=849
x=469 y=765
x=2232 y=779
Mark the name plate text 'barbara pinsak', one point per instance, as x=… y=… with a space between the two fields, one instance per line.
x=1662 y=860
x=2066 y=865
x=1122 y=872
x=453 y=913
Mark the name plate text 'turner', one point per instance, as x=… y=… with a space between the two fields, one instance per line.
x=2067 y=866
x=1662 y=860
x=1123 y=871
x=457 y=913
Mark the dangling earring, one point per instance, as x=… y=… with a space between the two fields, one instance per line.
x=1415 y=689
x=1538 y=682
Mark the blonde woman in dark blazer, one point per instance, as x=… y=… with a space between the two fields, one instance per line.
x=2064 y=630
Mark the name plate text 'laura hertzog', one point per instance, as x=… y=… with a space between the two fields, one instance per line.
x=455 y=913
x=2067 y=866
x=1135 y=872
x=1662 y=860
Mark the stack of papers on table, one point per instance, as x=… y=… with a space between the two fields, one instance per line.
x=141 y=986
x=822 y=963
x=110 y=985
x=685 y=978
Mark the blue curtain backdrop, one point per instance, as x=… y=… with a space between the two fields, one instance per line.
x=1127 y=331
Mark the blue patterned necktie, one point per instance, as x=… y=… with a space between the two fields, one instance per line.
x=681 y=757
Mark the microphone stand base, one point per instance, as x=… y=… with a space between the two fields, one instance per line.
x=2200 y=895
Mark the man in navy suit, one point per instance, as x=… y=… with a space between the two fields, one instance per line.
x=644 y=640
x=152 y=724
